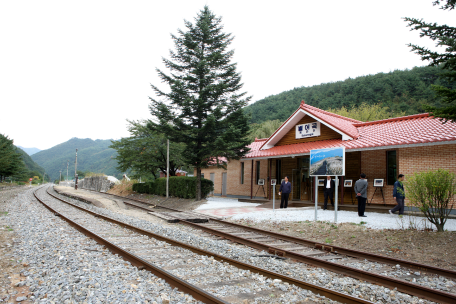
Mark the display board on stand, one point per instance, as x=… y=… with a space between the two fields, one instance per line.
x=327 y=162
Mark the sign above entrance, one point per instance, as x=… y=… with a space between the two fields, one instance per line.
x=308 y=130
x=329 y=161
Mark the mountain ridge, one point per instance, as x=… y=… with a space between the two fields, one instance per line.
x=93 y=156
x=30 y=151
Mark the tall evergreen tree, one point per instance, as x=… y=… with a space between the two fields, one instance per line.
x=444 y=36
x=203 y=108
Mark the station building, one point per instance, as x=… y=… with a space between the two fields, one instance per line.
x=381 y=149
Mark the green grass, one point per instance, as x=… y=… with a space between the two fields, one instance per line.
x=3 y=213
x=328 y=241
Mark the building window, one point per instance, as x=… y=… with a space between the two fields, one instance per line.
x=391 y=167
x=257 y=171
x=242 y=173
x=278 y=171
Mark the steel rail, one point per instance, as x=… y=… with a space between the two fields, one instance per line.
x=328 y=293
x=171 y=279
x=403 y=286
x=336 y=249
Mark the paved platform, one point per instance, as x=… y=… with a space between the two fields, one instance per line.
x=227 y=212
x=267 y=204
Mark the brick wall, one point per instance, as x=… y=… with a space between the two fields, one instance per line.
x=234 y=186
x=217 y=177
x=373 y=164
x=419 y=159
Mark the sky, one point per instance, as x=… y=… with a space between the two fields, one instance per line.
x=82 y=68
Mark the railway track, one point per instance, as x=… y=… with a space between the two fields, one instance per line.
x=209 y=277
x=407 y=277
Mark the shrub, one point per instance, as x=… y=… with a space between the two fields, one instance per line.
x=179 y=186
x=433 y=193
x=123 y=188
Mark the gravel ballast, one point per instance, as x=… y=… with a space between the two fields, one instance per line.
x=317 y=276
x=64 y=266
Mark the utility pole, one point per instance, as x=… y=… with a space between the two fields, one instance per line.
x=60 y=178
x=76 y=171
x=167 y=169
x=43 y=176
x=68 y=162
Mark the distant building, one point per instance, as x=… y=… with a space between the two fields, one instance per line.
x=178 y=173
x=380 y=149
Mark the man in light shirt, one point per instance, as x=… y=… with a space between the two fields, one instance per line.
x=330 y=185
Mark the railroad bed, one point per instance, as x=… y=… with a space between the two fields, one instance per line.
x=300 y=271
x=300 y=249
x=426 y=281
x=228 y=283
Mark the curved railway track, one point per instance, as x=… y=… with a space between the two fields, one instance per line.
x=319 y=255
x=153 y=252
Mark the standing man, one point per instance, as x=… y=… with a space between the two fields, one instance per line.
x=399 y=195
x=330 y=185
x=285 y=190
x=361 y=194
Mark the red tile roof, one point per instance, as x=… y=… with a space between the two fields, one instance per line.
x=407 y=130
x=341 y=123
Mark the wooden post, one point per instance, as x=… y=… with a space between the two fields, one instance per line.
x=269 y=179
x=342 y=182
x=251 y=182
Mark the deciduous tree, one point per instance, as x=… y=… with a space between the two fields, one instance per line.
x=366 y=112
x=144 y=152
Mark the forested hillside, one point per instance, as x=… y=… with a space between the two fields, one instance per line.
x=93 y=155
x=32 y=167
x=400 y=91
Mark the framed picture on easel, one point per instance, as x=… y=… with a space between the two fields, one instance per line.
x=261 y=182
x=321 y=182
x=348 y=183
x=378 y=182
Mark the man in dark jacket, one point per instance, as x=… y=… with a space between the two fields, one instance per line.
x=399 y=195
x=361 y=194
x=330 y=185
x=285 y=190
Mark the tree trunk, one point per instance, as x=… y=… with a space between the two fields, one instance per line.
x=439 y=227
x=198 y=183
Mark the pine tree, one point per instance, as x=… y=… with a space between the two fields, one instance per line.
x=444 y=36
x=203 y=108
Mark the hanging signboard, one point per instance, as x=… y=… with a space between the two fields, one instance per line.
x=329 y=161
x=308 y=130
